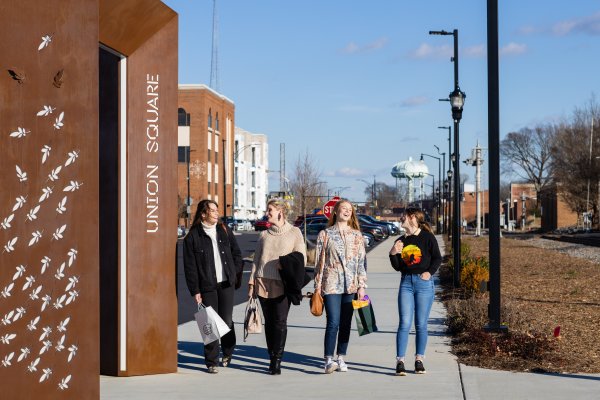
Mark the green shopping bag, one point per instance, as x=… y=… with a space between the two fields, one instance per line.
x=365 y=320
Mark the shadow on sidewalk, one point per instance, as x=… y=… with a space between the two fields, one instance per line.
x=257 y=357
x=573 y=376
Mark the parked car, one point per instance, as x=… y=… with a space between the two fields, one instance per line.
x=384 y=227
x=313 y=230
x=243 y=225
x=262 y=224
x=392 y=229
x=231 y=222
x=369 y=239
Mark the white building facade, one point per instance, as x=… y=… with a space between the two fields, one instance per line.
x=251 y=183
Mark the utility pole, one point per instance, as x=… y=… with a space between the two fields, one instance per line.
x=477 y=161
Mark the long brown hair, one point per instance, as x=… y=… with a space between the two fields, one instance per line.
x=202 y=209
x=352 y=223
x=420 y=216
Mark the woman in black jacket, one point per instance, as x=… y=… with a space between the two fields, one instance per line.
x=213 y=268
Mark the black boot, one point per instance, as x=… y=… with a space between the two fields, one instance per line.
x=276 y=366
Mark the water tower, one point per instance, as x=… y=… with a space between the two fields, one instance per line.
x=411 y=170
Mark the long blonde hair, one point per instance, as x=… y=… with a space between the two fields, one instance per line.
x=352 y=223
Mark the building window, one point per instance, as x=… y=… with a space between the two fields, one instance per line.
x=208 y=155
x=217 y=123
x=253 y=200
x=254 y=156
x=209 y=188
x=253 y=179
x=209 y=118
x=182 y=154
x=235 y=175
x=216 y=188
x=235 y=197
x=183 y=118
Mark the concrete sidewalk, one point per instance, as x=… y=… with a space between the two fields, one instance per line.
x=371 y=361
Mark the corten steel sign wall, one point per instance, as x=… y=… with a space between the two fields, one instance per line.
x=145 y=32
x=48 y=205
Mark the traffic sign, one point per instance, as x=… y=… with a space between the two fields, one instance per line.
x=328 y=207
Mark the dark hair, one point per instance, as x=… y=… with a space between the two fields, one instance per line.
x=202 y=209
x=420 y=216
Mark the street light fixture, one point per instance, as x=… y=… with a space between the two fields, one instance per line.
x=457 y=101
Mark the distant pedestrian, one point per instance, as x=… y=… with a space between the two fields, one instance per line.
x=417 y=256
x=340 y=276
x=213 y=264
x=280 y=239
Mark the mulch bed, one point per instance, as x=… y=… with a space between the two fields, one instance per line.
x=542 y=289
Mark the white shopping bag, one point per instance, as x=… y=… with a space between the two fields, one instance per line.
x=212 y=327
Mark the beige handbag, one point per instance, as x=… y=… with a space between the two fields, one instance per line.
x=252 y=321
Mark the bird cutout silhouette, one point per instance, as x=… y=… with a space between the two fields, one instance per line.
x=34 y=295
x=33 y=365
x=22 y=175
x=63 y=384
x=6 y=222
x=45 y=111
x=35 y=237
x=6 y=361
x=45 y=153
x=6 y=291
x=24 y=353
x=46 y=192
x=61 y=205
x=19 y=133
x=72 y=186
x=58 y=79
x=17 y=75
x=72 y=157
x=10 y=245
x=20 y=201
x=58 y=121
x=46 y=39
x=20 y=271
x=72 y=352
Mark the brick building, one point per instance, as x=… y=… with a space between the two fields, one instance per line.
x=205 y=147
x=555 y=212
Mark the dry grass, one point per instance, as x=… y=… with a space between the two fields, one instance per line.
x=541 y=289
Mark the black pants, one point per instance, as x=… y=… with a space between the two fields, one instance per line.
x=221 y=300
x=275 y=311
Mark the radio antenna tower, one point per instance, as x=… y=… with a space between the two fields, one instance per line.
x=214 y=59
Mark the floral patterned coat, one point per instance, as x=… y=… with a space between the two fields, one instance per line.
x=340 y=261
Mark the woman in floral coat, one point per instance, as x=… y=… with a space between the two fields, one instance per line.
x=340 y=275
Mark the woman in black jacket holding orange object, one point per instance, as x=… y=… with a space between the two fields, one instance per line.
x=213 y=268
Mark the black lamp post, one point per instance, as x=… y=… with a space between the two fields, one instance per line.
x=457 y=101
x=442 y=189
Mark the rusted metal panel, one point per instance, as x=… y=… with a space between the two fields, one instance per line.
x=48 y=207
x=152 y=204
x=127 y=25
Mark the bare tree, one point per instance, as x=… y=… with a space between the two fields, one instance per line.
x=527 y=154
x=575 y=166
x=385 y=195
x=306 y=184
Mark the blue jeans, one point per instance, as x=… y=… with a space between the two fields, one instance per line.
x=338 y=308
x=415 y=297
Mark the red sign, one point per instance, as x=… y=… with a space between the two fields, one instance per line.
x=328 y=207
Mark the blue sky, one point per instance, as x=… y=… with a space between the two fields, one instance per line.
x=357 y=83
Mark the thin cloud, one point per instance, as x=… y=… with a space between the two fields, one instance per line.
x=587 y=25
x=513 y=49
x=426 y=50
x=414 y=101
x=353 y=48
x=346 y=172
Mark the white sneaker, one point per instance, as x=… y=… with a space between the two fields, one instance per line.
x=342 y=366
x=330 y=366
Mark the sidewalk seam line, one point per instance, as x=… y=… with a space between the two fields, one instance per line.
x=462 y=385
